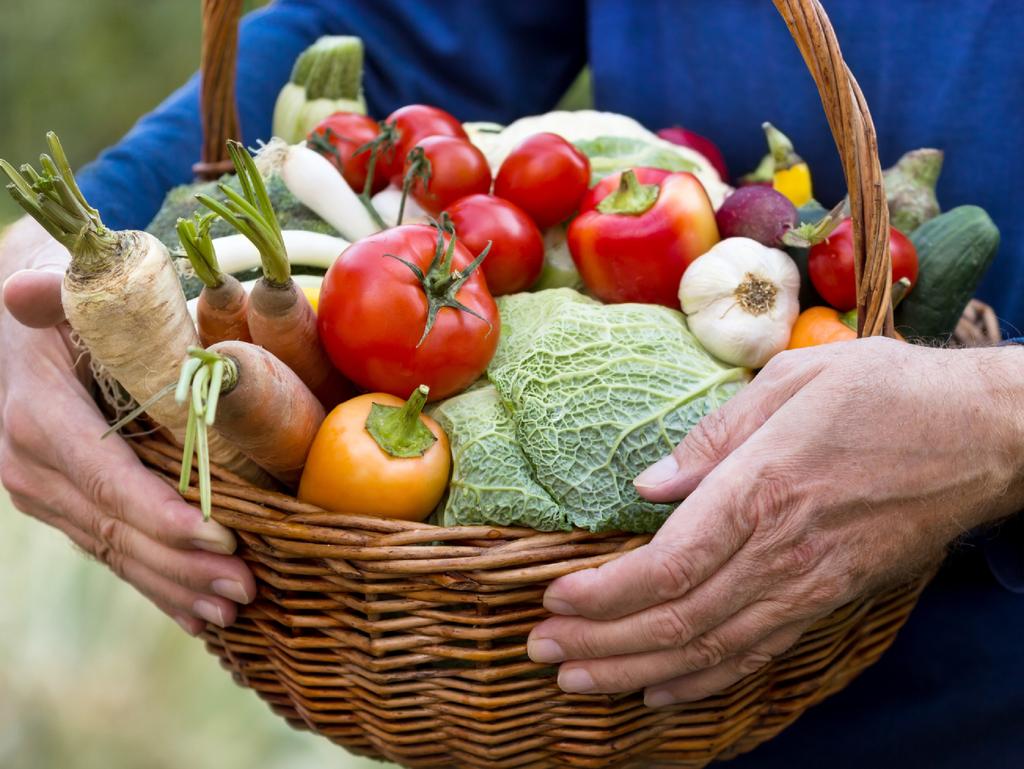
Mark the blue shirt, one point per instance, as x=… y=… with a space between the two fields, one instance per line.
x=946 y=75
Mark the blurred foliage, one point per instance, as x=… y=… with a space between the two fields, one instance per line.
x=87 y=70
x=91 y=675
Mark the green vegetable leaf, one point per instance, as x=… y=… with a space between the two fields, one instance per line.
x=593 y=394
x=610 y=154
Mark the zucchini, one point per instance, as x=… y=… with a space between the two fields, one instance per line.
x=953 y=250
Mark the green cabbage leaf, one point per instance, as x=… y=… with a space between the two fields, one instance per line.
x=583 y=396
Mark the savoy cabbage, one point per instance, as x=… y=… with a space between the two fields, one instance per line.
x=582 y=397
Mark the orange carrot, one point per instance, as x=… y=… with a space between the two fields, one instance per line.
x=222 y=305
x=279 y=315
x=253 y=401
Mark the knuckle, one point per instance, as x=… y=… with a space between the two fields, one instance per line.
x=113 y=537
x=831 y=591
x=18 y=425
x=772 y=501
x=99 y=484
x=803 y=556
x=705 y=652
x=668 y=629
x=670 y=574
x=752 y=661
x=174 y=523
x=13 y=476
x=707 y=440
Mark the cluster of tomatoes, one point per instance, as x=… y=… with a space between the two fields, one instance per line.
x=414 y=305
x=427 y=150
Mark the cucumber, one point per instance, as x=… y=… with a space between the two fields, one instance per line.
x=953 y=250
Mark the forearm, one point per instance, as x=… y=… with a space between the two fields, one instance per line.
x=998 y=402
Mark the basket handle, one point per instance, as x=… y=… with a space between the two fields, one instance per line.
x=844 y=104
x=217 y=106
x=854 y=132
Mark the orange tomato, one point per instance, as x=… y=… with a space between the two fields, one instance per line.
x=821 y=325
x=348 y=471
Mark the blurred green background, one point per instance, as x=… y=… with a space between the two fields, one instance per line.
x=91 y=675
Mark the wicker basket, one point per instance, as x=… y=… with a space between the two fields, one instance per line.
x=406 y=641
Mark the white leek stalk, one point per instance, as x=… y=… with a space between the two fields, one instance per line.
x=316 y=183
x=236 y=253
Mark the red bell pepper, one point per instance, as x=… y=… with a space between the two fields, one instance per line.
x=634 y=243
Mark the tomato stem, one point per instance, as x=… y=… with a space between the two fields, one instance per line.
x=419 y=168
x=810 y=234
x=631 y=198
x=440 y=282
x=382 y=142
x=398 y=430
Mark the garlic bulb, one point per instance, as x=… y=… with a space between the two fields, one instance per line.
x=741 y=299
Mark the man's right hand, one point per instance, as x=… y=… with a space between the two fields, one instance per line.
x=56 y=469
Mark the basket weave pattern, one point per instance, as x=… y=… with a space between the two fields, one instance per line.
x=407 y=641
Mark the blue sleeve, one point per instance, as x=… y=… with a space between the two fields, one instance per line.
x=128 y=181
x=479 y=61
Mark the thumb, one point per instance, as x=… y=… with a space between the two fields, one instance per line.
x=33 y=297
x=724 y=430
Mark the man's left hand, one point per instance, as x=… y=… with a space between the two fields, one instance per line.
x=839 y=470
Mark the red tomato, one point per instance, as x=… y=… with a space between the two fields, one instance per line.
x=373 y=313
x=517 y=247
x=412 y=123
x=338 y=136
x=830 y=265
x=608 y=185
x=457 y=169
x=546 y=177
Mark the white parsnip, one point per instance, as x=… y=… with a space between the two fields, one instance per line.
x=121 y=296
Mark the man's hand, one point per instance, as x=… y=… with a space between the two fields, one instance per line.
x=839 y=470
x=98 y=493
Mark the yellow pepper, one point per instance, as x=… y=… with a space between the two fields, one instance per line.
x=791 y=176
x=788 y=173
x=313 y=295
x=794 y=183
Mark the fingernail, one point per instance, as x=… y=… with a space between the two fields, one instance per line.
x=662 y=471
x=558 y=606
x=185 y=626
x=659 y=698
x=210 y=612
x=544 y=650
x=231 y=589
x=222 y=543
x=575 y=681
